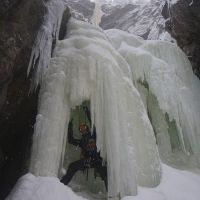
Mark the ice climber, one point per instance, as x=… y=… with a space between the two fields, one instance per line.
x=90 y=158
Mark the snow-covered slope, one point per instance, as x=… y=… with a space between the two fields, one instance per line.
x=175 y=185
x=30 y=187
x=141 y=18
x=144 y=20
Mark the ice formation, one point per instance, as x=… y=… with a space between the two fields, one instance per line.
x=47 y=35
x=126 y=81
x=164 y=77
x=86 y=66
x=96 y=18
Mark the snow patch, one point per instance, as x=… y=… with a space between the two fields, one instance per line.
x=175 y=185
x=30 y=187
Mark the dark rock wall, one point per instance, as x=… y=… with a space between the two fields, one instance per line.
x=17 y=118
x=19 y=23
x=63 y=26
x=183 y=23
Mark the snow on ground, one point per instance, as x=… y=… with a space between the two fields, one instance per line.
x=175 y=185
x=30 y=187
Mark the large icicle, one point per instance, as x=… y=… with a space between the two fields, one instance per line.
x=87 y=67
x=172 y=92
x=47 y=35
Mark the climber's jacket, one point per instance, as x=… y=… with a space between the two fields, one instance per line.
x=87 y=143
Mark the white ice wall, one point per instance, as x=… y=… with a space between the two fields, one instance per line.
x=87 y=67
x=168 y=73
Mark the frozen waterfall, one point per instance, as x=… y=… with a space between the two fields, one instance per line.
x=143 y=98
x=46 y=38
x=96 y=18
x=163 y=75
x=85 y=66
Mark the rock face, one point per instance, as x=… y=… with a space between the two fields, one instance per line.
x=81 y=9
x=144 y=20
x=183 y=23
x=20 y=21
x=18 y=29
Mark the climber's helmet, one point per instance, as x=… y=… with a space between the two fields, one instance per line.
x=83 y=128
